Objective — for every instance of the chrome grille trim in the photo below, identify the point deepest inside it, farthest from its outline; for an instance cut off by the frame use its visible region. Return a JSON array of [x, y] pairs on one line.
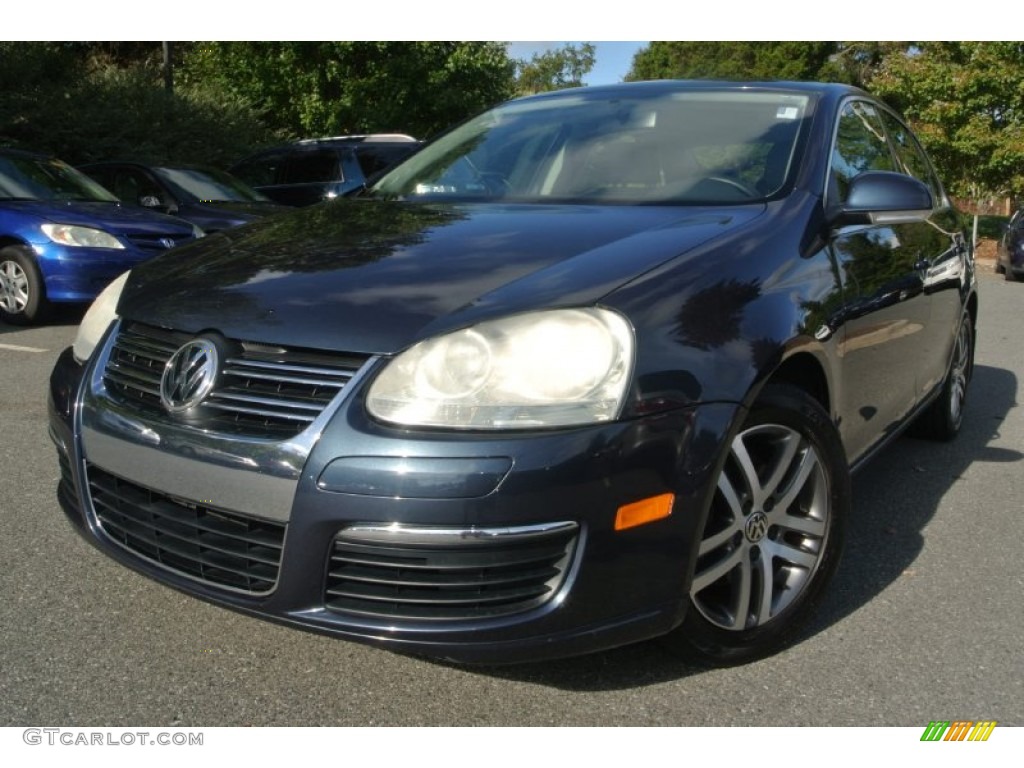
[[444, 574], [269, 392]]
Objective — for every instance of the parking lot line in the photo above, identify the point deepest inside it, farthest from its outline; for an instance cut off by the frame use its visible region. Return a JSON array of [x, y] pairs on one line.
[[17, 348]]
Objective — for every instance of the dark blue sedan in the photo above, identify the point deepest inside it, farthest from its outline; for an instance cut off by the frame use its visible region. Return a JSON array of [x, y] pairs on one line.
[[211, 199], [63, 237], [593, 367]]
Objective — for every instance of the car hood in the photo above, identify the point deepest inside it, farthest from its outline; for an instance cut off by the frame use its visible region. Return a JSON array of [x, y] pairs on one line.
[[374, 277], [110, 217]]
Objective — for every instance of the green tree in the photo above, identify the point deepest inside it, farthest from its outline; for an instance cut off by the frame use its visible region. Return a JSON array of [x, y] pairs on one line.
[[549, 71], [81, 104], [786, 60], [966, 102], [326, 88]]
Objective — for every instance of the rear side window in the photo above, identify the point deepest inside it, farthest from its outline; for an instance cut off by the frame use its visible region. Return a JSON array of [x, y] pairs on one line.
[[261, 171], [375, 158], [308, 167], [860, 146]]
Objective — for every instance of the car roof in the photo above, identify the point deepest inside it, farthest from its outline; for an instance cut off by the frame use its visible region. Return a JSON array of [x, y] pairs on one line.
[[370, 139], [669, 86], [383, 138]]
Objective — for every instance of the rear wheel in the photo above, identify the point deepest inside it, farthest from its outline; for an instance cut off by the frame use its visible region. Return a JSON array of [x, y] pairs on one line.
[[943, 418], [774, 532], [22, 293]]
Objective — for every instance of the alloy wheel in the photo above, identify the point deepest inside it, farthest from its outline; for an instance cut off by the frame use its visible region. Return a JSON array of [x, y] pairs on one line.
[[13, 287], [766, 532], [959, 372]]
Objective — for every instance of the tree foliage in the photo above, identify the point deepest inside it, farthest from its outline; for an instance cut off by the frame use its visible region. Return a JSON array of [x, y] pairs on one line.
[[328, 88], [966, 100], [785, 60], [549, 71], [81, 104]]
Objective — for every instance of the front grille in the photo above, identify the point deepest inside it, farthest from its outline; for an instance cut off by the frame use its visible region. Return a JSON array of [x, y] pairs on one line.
[[262, 391], [158, 243], [446, 575], [221, 548]]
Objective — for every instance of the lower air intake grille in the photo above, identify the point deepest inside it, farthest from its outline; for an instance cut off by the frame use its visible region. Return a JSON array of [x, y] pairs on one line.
[[66, 486], [445, 574], [224, 549]]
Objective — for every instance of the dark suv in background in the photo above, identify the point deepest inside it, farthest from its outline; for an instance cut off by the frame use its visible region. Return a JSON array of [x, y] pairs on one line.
[[309, 171]]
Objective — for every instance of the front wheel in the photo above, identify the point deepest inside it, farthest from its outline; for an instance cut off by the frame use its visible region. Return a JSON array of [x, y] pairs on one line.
[[22, 293], [773, 534]]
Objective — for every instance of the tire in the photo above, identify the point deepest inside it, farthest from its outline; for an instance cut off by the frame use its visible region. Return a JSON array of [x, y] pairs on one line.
[[22, 292], [774, 532], [943, 418]]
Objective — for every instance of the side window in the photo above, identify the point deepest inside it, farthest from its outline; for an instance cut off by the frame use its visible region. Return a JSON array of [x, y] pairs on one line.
[[132, 185], [262, 171], [376, 158], [307, 167], [860, 146], [912, 158]]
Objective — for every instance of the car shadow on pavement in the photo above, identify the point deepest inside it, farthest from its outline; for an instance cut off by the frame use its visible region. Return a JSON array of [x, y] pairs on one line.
[[61, 314], [894, 497]]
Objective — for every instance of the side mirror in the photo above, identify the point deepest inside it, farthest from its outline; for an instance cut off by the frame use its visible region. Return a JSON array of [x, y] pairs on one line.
[[150, 201], [884, 197]]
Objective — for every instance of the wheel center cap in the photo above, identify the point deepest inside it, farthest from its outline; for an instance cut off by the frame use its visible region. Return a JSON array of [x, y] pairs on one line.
[[756, 527]]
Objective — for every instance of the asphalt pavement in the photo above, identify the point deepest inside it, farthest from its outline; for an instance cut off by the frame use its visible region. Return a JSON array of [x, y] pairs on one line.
[[922, 623]]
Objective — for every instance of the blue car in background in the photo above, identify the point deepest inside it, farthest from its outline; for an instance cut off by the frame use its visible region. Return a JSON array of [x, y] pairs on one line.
[[209, 198], [63, 237]]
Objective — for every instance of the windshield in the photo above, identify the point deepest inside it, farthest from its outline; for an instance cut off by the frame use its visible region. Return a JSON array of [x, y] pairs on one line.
[[701, 146], [46, 178], [209, 186]]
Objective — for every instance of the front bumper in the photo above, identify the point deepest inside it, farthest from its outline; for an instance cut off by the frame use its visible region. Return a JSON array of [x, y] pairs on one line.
[[79, 274], [390, 505]]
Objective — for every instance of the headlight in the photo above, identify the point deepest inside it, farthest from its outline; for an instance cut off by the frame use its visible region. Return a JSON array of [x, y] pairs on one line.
[[80, 237], [97, 319], [543, 369]]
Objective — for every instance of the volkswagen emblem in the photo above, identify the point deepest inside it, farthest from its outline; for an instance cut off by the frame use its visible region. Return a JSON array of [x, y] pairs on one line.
[[189, 375], [756, 527]]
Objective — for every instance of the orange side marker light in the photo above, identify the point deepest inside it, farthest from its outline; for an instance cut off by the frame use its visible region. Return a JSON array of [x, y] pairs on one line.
[[644, 511]]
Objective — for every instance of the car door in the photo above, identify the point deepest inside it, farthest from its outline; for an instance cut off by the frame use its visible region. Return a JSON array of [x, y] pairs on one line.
[[940, 247], [885, 310]]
